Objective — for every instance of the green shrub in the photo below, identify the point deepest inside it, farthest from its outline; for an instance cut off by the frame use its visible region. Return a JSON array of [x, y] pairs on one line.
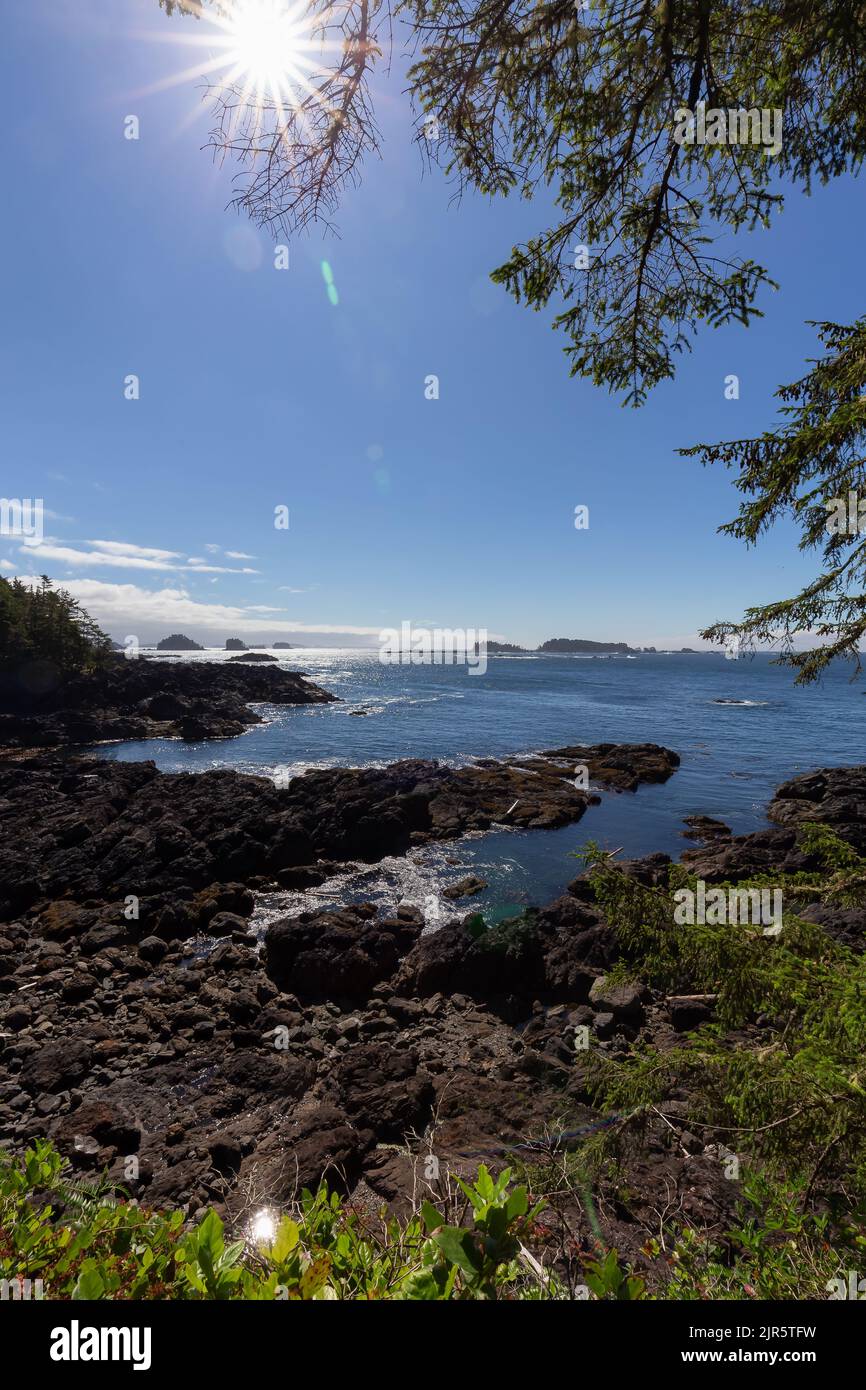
[[102, 1247]]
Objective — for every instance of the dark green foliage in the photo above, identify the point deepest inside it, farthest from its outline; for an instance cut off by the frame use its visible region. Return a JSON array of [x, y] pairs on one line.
[[47, 625], [814, 455], [582, 100], [790, 1096], [104, 1247], [776, 1250]]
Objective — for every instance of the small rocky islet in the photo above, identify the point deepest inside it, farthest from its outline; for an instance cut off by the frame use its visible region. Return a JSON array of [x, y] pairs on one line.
[[140, 1016]]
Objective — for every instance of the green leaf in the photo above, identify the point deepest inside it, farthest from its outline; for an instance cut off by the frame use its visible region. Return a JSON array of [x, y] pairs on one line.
[[458, 1246], [517, 1203], [90, 1283], [209, 1237], [285, 1240], [430, 1216]]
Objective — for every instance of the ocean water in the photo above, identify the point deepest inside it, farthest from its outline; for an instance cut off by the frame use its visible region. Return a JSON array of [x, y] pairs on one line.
[[740, 727]]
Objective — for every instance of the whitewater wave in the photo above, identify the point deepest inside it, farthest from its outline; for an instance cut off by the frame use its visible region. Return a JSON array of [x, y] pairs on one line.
[[417, 880], [750, 703]]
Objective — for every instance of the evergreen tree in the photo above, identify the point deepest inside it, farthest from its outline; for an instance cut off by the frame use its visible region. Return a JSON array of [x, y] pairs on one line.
[[43, 623], [812, 468]]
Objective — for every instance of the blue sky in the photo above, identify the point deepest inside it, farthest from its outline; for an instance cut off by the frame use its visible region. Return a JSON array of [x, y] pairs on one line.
[[120, 257]]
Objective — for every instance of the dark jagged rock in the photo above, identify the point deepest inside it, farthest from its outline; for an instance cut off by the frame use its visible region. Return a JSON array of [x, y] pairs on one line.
[[651, 870], [621, 766], [834, 796], [464, 888], [847, 925], [109, 1124], [705, 829], [744, 856], [151, 1025], [338, 955], [164, 1034], [148, 699], [109, 829], [688, 1014], [225, 1071], [550, 952], [385, 1089], [56, 1066]]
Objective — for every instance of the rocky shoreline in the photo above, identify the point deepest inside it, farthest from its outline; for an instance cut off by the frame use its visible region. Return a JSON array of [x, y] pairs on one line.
[[149, 1032], [138, 1013], [144, 698], [104, 830]]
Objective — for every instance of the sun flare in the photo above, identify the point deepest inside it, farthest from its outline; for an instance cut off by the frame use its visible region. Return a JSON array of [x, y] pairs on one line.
[[266, 41], [265, 49]]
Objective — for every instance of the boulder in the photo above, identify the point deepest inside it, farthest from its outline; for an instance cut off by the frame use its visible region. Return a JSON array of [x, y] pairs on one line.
[[56, 1066], [336, 955], [623, 1001]]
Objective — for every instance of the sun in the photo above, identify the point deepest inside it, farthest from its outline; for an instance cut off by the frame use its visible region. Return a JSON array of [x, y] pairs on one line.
[[265, 42], [265, 49]]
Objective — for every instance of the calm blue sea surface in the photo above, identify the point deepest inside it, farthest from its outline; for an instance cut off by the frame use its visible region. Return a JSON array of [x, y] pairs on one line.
[[733, 755]]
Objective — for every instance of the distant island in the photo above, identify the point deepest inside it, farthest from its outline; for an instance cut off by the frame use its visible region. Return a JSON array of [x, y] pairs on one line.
[[178, 643], [554, 646], [581, 644], [565, 644]]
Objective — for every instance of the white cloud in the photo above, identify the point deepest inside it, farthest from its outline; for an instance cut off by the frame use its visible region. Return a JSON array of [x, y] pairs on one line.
[[143, 552], [151, 614], [6, 565], [197, 568], [240, 555], [120, 555], [45, 550]]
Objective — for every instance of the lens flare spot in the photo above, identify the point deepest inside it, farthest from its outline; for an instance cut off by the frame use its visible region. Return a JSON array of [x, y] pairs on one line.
[[328, 277]]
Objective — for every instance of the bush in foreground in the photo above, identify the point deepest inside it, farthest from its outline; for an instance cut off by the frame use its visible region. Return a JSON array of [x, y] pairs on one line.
[[86, 1243]]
